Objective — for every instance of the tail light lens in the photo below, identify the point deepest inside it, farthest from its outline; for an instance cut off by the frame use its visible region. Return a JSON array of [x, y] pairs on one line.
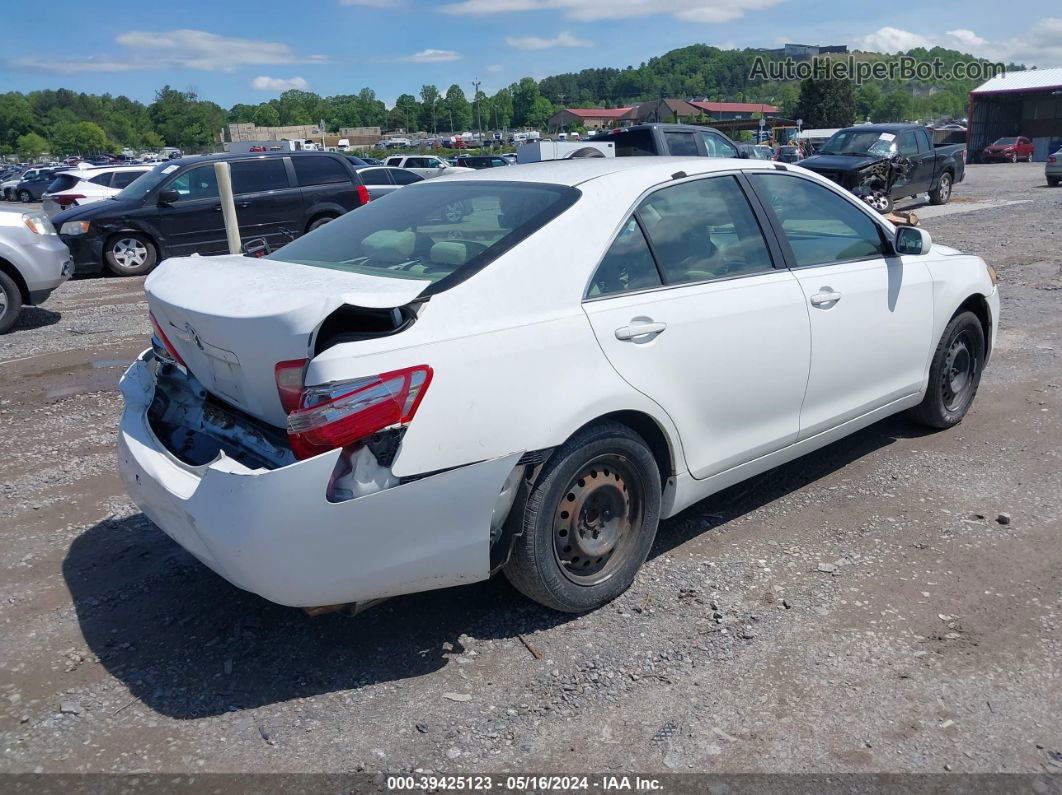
[[1051, 159], [339, 414], [65, 200], [164, 341], [289, 377], [363, 194]]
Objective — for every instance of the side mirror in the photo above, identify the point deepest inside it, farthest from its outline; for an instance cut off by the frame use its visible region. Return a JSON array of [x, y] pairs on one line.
[[169, 196], [912, 240]]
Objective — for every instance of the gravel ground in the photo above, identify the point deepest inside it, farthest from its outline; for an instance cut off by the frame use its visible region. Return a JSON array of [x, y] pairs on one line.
[[890, 603]]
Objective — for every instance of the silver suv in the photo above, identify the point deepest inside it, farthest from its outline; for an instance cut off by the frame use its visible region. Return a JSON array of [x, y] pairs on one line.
[[33, 262]]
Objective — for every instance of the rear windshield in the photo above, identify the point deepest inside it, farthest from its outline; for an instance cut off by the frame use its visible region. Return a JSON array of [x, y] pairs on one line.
[[443, 232], [146, 182], [63, 182], [631, 142]]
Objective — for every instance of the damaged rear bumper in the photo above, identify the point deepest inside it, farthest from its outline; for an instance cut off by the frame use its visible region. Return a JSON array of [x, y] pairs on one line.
[[275, 533]]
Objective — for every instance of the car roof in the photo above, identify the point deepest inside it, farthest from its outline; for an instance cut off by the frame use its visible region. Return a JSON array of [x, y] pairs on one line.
[[885, 127], [215, 156], [649, 170]]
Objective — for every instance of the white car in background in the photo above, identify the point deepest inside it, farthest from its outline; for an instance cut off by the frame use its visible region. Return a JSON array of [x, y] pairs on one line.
[[426, 166], [395, 402], [85, 186]]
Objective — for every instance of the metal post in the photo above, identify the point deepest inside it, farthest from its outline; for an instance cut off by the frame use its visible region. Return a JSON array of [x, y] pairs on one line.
[[228, 206]]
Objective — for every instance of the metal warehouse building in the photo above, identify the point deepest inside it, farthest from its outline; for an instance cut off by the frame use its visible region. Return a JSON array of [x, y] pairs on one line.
[[1019, 103]]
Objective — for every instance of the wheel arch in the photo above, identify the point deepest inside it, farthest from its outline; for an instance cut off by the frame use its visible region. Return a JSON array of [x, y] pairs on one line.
[[649, 429], [977, 304], [321, 213], [17, 278]]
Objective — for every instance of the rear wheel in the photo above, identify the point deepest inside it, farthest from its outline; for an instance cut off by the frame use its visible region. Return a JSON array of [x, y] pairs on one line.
[[954, 374], [589, 521], [942, 192], [25, 196], [10, 302], [1052, 181], [129, 254], [319, 222], [1013, 157]]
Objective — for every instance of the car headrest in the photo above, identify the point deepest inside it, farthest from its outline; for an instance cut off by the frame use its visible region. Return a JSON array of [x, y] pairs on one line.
[[389, 245], [451, 252]]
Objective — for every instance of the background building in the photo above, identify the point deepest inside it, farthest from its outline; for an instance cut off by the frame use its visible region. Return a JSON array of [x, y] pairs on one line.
[[726, 111], [590, 118], [1019, 103]]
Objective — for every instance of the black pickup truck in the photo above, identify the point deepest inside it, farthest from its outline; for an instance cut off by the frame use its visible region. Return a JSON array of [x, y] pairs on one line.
[[884, 162], [677, 140]]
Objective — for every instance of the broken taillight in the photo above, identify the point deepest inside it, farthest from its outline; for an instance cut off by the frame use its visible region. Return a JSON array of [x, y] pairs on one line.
[[289, 376], [339, 414], [164, 341]]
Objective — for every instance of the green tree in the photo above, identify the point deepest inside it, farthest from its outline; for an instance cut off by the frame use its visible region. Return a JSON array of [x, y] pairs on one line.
[[525, 93], [79, 137], [429, 98], [17, 117], [30, 146], [895, 106], [502, 107], [826, 103], [456, 109], [266, 115], [185, 121], [151, 141], [867, 100]]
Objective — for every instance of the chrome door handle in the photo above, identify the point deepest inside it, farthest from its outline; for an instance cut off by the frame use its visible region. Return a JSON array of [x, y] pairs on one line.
[[639, 330], [825, 296]]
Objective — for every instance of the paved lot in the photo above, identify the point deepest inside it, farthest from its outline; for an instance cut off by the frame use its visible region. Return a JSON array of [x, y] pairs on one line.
[[934, 644]]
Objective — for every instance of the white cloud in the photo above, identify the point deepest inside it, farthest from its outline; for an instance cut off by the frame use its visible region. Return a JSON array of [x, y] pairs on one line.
[[178, 49], [707, 11], [1041, 44], [433, 56], [562, 39], [278, 84]]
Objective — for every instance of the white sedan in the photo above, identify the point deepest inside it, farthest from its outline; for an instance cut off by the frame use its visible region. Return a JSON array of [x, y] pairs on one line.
[[396, 402]]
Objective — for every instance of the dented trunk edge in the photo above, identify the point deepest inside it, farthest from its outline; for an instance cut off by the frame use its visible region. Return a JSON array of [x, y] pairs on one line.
[[274, 532]]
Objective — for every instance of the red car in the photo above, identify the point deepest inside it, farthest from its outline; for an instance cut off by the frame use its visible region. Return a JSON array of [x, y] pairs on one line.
[[1012, 149]]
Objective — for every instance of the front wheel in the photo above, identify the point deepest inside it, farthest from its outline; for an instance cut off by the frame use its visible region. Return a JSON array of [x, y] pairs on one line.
[[10, 302], [954, 374], [1052, 181], [880, 201], [129, 254], [589, 521], [25, 196], [942, 192], [1014, 157]]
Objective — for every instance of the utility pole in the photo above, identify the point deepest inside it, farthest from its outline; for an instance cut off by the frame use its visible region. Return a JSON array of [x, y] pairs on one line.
[[479, 116]]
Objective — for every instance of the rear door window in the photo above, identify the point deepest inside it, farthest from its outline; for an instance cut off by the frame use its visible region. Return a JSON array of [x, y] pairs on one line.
[[375, 176], [258, 176], [628, 265], [717, 146], [123, 178], [102, 179], [312, 170], [403, 177], [681, 144], [702, 230]]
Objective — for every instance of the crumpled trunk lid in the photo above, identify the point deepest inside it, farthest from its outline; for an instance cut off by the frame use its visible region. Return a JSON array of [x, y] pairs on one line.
[[232, 318]]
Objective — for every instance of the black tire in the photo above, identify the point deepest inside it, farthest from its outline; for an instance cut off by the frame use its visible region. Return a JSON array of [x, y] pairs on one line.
[[612, 470], [25, 196], [319, 222], [941, 193], [1013, 157], [954, 374], [130, 254], [1052, 182], [10, 302]]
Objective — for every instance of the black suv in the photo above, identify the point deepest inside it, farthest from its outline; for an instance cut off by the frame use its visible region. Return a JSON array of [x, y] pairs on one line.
[[174, 210], [677, 140]]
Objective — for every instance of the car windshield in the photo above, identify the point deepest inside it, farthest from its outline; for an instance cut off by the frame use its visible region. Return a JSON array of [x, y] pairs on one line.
[[442, 233], [146, 182], [860, 142], [1005, 142]]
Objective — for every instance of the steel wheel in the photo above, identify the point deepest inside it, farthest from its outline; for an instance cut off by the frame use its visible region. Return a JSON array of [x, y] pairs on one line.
[[879, 201], [25, 196], [597, 521], [944, 188], [959, 371], [129, 253], [453, 212]]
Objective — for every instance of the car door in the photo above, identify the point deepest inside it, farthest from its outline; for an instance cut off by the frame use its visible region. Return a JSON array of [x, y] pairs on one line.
[[689, 308], [403, 176], [919, 177], [193, 222], [266, 202], [871, 311]]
